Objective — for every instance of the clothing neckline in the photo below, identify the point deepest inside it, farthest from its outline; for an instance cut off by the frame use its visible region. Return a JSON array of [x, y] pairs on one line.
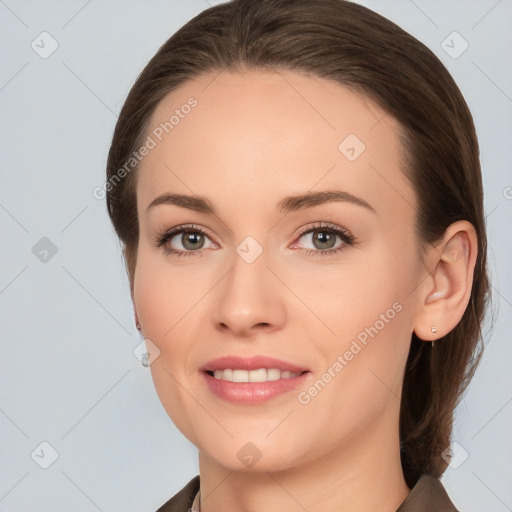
[[426, 495]]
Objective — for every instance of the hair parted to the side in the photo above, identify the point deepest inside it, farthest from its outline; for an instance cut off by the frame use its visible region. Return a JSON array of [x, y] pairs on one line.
[[363, 51]]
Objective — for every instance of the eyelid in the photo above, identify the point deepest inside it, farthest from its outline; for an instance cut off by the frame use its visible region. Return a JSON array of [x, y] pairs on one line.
[[344, 234], [327, 226], [165, 235]]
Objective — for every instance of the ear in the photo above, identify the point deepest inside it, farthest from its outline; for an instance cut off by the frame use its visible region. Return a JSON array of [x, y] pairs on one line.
[[445, 294]]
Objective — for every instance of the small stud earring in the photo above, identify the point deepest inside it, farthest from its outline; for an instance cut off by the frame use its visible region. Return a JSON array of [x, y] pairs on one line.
[[433, 329]]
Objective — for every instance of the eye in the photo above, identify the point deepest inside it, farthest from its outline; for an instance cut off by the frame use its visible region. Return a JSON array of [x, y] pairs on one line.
[[190, 242], [323, 238]]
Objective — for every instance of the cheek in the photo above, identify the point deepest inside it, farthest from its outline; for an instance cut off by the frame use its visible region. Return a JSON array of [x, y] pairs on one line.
[[367, 358], [160, 295], [352, 295], [166, 300], [151, 297], [380, 315], [370, 308]]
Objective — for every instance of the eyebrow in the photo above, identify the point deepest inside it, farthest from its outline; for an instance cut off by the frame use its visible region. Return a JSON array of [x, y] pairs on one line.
[[288, 204]]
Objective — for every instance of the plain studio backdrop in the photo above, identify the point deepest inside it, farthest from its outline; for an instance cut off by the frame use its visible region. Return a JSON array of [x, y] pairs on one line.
[[81, 425]]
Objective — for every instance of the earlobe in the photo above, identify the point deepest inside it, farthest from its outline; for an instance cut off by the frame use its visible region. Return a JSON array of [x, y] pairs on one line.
[[446, 294]]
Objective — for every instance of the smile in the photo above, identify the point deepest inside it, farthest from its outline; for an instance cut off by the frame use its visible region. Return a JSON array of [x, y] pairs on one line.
[[260, 375]]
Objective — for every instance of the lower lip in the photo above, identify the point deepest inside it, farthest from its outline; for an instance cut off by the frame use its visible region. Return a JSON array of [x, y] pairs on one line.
[[249, 393]]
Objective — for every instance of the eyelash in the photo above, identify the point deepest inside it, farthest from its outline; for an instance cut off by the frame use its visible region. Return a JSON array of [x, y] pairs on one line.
[[162, 237]]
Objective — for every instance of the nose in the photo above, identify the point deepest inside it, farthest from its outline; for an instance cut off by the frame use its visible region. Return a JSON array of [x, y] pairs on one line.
[[249, 299]]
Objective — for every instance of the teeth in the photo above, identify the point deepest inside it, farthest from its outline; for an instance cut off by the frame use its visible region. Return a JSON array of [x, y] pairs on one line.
[[261, 375]]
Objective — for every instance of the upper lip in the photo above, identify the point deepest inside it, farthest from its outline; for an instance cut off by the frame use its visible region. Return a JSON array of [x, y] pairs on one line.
[[250, 363]]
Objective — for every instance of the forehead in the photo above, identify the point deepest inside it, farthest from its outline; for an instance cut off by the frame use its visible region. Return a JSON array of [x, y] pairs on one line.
[[224, 133]]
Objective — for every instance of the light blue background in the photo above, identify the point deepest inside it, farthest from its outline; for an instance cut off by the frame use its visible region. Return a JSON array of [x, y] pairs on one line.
[[67, 372]]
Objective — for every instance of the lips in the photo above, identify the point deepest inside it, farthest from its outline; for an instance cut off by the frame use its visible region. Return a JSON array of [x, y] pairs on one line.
[[253, 380], [251, 363]]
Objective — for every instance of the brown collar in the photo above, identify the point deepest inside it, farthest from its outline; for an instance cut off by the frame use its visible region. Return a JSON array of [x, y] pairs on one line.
[[427, 495]]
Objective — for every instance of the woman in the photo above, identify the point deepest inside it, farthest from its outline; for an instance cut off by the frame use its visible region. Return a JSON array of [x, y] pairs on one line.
[[297, 189]]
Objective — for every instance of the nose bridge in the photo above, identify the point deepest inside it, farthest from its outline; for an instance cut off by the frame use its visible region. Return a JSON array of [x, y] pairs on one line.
[[248, 277], [248, 296]]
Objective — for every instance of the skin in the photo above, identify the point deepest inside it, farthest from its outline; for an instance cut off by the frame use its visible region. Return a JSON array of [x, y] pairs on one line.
[[254, 138]]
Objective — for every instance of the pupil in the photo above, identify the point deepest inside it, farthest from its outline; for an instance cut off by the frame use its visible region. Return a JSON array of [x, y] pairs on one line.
[[324, 239], [191, 238]]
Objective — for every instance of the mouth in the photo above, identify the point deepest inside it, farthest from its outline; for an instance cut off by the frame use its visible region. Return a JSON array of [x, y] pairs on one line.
[[251, 381], [259, 375], [251, 369]]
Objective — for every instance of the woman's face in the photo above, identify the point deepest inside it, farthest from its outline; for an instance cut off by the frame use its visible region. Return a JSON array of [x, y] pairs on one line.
[[266, 275]]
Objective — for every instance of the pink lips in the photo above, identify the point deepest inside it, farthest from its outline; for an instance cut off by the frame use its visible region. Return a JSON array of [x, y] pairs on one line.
[[252, 393]]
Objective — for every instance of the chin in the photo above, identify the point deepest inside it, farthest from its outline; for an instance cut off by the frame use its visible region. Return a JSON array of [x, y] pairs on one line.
[[256, 465], [246, 456]]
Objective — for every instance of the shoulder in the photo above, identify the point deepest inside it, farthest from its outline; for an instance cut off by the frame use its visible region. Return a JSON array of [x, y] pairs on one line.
[[183, 499], [427, 495]]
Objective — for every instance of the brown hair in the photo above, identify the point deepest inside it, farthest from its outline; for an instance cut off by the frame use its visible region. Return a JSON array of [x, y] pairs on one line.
[[363, 51]]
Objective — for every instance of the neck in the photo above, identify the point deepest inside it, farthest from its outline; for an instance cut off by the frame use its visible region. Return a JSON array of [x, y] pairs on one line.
[[363, 474]]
